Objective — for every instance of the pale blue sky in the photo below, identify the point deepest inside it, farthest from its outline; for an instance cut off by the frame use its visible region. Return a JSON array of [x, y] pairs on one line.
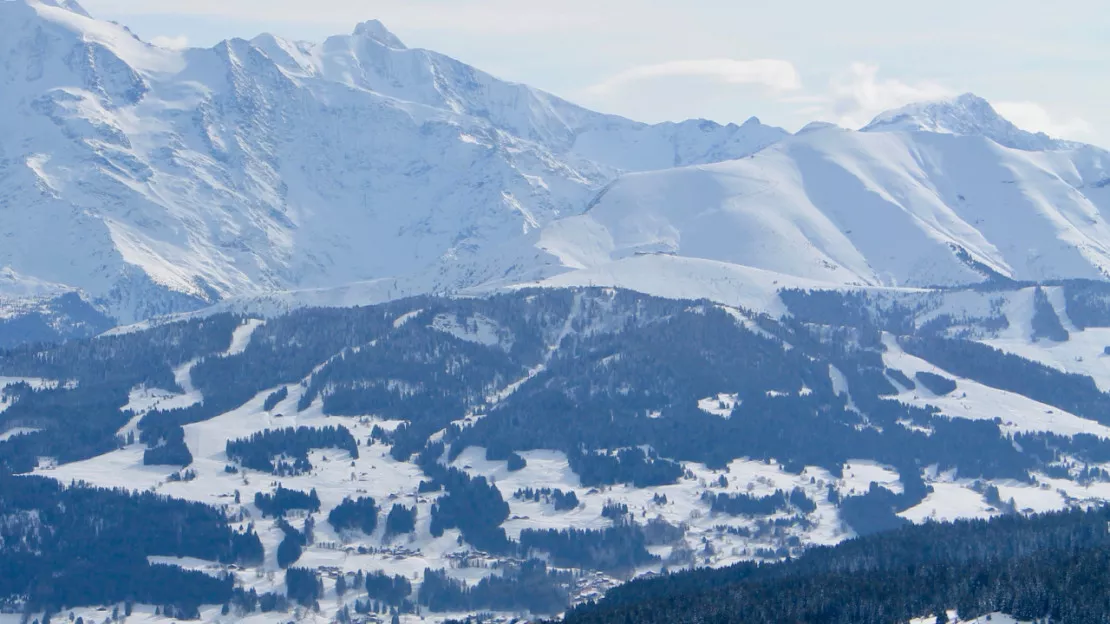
[[1044, 65]]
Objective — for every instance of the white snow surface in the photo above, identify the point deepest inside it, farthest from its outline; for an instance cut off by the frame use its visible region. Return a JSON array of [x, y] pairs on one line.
[[965, 114], [163, 180], [893, 208], [241, 337], [269, 174], [720, 405], [676, 277], [976, 401], [990, 618]]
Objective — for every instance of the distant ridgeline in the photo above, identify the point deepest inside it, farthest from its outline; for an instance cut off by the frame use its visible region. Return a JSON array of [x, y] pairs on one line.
[[626, 386], [46, 321]]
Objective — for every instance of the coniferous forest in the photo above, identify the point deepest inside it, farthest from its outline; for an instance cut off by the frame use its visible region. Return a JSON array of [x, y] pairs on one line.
[[1053, 566], [630, 390]]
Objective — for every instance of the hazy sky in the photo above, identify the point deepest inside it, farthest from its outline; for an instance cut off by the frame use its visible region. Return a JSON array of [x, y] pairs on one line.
[[1044, 65]]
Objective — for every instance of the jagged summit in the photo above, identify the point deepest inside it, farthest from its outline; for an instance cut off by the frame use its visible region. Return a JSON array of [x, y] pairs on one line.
[[193, 176], [69, 5], [965, 115], [377, 31]]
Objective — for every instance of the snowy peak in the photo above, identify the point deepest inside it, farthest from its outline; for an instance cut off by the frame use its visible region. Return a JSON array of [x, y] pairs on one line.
[[376, 31], [815, 126], [68, 5], [852, 208], [965, 115], [53, 41], [155, 180]]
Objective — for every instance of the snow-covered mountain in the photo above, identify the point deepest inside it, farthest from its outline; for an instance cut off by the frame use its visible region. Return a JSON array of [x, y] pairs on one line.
[[265, 174], [934, 198], [808, 373], [158, 181], [966, 114], [890, 206]]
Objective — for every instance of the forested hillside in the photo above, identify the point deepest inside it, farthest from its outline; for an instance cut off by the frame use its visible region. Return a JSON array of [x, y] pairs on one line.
[[524, 452], [1054, 567]]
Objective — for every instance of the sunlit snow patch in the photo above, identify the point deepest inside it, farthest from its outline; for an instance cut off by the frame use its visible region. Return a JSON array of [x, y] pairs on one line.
[[477, 329], [720, 405]]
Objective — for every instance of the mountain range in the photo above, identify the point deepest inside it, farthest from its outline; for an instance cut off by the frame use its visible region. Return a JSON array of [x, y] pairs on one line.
[[353, 332], [153, 181], [161, 181]]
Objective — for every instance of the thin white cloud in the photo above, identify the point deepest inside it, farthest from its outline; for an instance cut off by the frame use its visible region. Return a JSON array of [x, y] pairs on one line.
[[857, 95], [179, 42], [774, 74], [1034, 117]]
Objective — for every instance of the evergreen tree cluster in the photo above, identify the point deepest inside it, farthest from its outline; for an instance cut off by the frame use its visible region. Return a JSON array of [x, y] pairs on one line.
[[739, 504], [1045, 322], [260, 449], [619, 548], [874, 512], [474, 506], [275, 397], [248, 601], [529, 586], [371, 607], [86, 546], [901, 378], [400, 520], [360, 513], [283, 499], [79, 418], [937, 384], [390, 590], [560, 500], [847, 309], [501, 452], [292, 545], [516, 462], [303, 586], [630, 465], [617, 512], [1087, 303], [170, 451]]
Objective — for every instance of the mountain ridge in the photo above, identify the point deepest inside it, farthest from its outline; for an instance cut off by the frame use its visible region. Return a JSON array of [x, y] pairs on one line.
[[184, 178], [190, 176], [862, 209]]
